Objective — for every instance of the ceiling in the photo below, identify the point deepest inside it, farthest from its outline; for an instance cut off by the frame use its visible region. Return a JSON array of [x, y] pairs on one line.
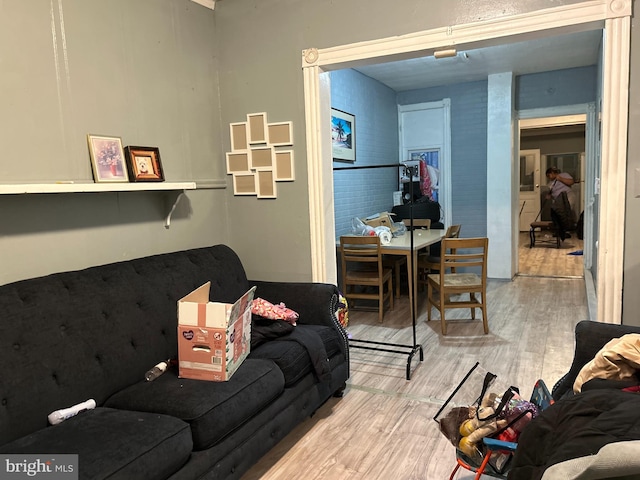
[[540, 55]]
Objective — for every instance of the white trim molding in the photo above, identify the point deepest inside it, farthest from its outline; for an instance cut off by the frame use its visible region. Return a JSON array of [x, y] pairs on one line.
[[615, 114], [612, 15]]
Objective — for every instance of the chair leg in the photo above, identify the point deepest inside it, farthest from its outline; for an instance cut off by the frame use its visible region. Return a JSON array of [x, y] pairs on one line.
[[429, 301], [381, 302], [532, 237], [397, 272], [472, 297], [485, 320], [443, 322]]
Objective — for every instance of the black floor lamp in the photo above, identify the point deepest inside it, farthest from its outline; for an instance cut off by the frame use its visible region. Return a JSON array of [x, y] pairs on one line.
[[416, 348]]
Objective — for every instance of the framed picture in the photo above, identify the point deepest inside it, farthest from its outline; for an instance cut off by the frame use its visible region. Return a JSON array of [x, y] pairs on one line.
[[257, 128], [143, 164], [107, 159], [343, 136]]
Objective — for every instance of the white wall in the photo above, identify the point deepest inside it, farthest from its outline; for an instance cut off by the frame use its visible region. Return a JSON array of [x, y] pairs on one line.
[[501, 200]]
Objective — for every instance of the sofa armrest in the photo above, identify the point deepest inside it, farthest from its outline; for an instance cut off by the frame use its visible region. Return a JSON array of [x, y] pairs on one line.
[[590, 338], [315, 302]]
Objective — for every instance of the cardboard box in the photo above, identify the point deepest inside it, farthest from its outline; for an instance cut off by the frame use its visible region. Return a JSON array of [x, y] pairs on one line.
[[213, 338], [381, 220]]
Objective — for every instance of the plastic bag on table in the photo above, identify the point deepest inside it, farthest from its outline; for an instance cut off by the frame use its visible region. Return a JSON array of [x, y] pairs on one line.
[[384, 233], [358, 227], [399, 228]]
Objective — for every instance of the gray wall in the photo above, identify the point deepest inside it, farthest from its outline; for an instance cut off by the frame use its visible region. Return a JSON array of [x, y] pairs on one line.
[[174, 74], [260, 70], [141, 70]]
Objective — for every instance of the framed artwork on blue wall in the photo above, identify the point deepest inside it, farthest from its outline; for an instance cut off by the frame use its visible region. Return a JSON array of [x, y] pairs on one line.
[[429, 171], [343, 136]]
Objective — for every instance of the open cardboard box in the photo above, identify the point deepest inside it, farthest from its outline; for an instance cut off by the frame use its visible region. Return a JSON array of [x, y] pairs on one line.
[[213, 338], [381, 220]]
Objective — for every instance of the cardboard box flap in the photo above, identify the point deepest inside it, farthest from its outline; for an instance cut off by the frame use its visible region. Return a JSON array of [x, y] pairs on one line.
[[199, 295], [381, 220], [242, 304], [196, 310]]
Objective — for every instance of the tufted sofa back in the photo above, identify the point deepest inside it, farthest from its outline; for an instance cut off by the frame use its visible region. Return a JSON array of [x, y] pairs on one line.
[[71, 336]]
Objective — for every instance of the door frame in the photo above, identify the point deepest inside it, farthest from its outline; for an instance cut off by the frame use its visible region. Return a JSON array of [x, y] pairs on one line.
[[536, 185], [558, 116], [445, 149], [613, 17]]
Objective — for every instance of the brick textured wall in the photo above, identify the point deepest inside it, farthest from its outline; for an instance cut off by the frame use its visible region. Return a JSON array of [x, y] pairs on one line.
[[362, 192], [359, 193]]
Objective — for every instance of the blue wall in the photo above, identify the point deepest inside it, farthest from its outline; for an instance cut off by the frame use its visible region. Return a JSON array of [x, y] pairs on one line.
[[572, 86], [468, 150], [360, 193]]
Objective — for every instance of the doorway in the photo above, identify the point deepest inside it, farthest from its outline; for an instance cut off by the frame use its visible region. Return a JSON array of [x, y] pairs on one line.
[[613, 120], [552, 141]]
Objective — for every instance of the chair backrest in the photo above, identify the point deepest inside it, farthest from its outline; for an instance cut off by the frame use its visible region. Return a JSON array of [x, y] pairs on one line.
[[453, 231], [418, 223], [360, 249], [464, 253]]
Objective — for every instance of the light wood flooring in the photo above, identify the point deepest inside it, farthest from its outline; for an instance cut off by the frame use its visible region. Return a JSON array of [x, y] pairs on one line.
[[549, 261], [383, 427]]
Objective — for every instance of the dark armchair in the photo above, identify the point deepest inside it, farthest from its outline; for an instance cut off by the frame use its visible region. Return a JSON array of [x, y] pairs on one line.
[[590, 338]]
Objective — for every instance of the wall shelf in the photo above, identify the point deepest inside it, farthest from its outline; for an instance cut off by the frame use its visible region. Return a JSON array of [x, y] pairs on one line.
[[38, 188], [16, 189]]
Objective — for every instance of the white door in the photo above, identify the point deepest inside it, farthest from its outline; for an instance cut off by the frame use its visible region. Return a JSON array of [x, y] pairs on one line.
[[529, 187], [425, 134]]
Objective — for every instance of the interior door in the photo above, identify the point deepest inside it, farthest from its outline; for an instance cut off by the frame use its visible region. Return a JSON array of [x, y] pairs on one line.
[[529, 187], [425, 134]]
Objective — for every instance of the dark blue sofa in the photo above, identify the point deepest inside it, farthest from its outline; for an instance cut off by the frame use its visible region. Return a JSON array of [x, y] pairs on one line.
[[71, 336]]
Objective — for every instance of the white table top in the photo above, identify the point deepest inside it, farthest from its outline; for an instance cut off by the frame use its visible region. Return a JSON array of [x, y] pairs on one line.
[[421, 239]]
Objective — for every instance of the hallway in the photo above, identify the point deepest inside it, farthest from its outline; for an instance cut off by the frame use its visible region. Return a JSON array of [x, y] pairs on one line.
[[548, 261]]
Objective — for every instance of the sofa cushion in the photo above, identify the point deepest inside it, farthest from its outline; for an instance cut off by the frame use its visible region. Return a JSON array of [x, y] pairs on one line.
[[290, 354], [114, 444], [212, 409]]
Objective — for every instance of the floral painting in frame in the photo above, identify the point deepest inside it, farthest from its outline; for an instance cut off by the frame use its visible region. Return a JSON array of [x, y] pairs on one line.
[[107, 159]]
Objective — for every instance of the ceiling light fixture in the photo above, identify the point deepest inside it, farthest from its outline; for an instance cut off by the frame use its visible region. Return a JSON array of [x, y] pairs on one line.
[[450, 52]]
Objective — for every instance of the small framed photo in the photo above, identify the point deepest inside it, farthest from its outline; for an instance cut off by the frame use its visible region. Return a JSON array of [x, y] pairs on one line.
[[343, 136], [107, 159], [144, 164]]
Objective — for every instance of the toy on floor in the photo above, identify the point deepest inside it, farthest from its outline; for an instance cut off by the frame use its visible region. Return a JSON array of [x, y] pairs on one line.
[[482, 423]]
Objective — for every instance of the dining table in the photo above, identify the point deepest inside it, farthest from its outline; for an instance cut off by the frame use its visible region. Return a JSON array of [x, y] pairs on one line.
[[401, 245]]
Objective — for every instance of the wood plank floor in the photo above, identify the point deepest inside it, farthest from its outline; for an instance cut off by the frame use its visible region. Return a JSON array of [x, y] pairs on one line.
[[383, 427], [549, 261]]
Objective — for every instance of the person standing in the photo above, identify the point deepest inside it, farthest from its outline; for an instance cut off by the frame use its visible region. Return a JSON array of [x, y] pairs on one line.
[[561, 182]]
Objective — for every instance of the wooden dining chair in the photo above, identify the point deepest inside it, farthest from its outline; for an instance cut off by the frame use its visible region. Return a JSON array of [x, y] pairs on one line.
[[397, 262], [362, 271], [470, 256], [428, 263]]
